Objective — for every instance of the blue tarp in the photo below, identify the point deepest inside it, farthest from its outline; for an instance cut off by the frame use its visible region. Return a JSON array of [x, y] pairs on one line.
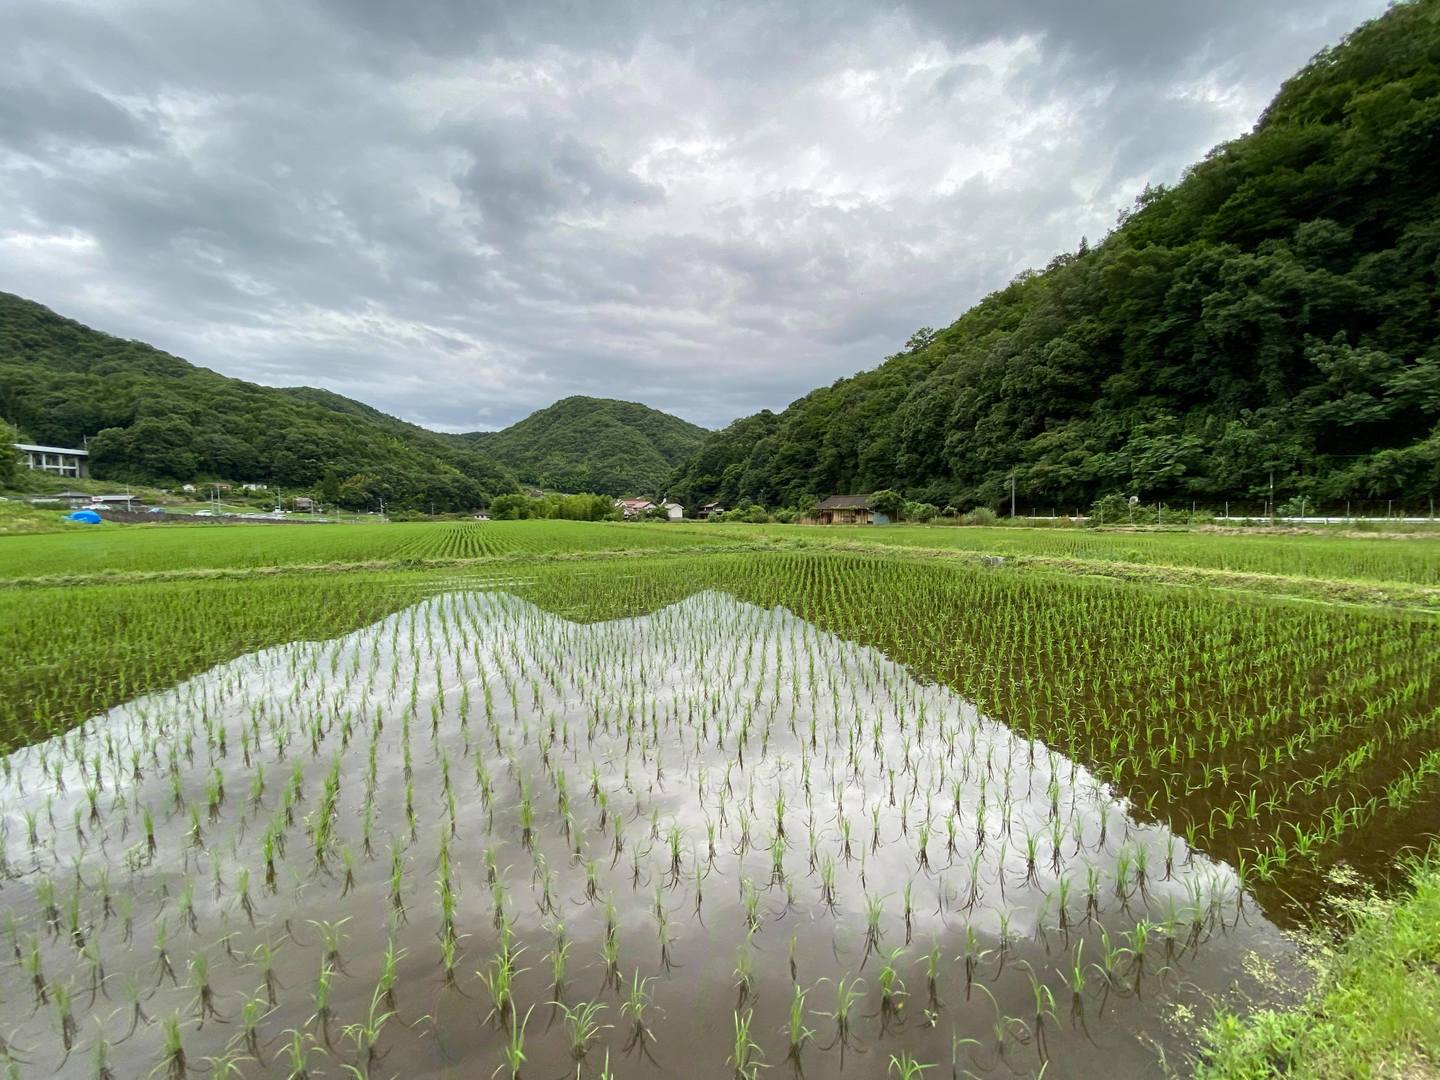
[[89, 517]]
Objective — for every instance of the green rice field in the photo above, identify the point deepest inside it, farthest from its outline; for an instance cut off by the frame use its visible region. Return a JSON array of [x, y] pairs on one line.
[[1413, 559], [108, 549], [708, 801]]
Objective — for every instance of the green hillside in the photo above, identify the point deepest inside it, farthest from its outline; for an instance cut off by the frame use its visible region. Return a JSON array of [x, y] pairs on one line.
[[1276, 312], [154, 418], [594, 444]]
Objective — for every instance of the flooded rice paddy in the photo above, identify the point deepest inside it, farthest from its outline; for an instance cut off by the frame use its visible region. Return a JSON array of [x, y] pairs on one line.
[[476, 837]]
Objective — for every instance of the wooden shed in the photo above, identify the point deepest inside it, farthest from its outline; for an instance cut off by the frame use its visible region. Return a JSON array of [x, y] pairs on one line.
[[850, 510]]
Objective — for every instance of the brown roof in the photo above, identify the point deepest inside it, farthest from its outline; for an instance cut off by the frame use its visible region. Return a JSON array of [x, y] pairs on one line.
[[846, 502]]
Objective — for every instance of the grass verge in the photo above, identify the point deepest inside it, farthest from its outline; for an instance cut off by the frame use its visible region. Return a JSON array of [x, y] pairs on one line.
[[1374, 1011]]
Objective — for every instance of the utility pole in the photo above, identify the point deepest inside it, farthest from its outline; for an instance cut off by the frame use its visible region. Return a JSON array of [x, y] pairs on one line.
[[1272, 496], [1012, 493]]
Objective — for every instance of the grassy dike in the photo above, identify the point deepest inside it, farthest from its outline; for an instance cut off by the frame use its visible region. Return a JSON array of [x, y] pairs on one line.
[[1373, 1012]]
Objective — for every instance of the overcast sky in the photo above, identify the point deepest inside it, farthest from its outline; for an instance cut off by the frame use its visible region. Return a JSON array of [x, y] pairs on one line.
[[459, 211]]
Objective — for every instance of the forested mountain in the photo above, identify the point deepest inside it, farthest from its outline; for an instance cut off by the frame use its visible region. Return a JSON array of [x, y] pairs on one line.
[[594, 444], [1276, 310], [155, 418]]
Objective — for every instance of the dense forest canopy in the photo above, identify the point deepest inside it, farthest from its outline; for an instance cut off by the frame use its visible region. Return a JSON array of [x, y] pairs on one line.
[[594, 444], [1273, 314], [154, 418]]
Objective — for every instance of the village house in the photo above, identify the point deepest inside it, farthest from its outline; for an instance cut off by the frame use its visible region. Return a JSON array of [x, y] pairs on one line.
[[850, 510], [709, 510], [59, 460], [674, 511], [633, 508]]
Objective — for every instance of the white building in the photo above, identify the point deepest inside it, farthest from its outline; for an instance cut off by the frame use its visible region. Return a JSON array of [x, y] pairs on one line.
[[117, 502], [673, 510], [60, 460]]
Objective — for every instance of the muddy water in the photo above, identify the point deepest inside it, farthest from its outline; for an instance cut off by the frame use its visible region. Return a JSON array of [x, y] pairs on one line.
[[740, 805]]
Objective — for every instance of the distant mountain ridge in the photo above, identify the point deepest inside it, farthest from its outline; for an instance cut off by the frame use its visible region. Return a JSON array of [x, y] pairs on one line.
[[1271, 320], [154, 418], [594, 444]]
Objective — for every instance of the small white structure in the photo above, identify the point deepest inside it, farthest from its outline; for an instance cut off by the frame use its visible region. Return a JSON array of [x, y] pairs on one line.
[[674, 511], [59, 460]]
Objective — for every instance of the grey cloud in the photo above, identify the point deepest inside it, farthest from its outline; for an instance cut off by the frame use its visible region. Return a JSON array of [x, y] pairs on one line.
[[459, 212], [517, 182], [51, 112]]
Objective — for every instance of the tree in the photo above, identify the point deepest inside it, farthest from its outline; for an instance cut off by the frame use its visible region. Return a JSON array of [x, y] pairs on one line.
[[363, 491], [9, 456], [920, 338], [509, 507], [887, 502]]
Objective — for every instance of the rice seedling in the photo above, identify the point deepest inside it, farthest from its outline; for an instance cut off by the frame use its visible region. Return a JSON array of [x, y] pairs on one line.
[[173, 1064], [62, 1006], [638, 1001], [204, 992], [499, 982], [582, 1025], [892, 987], [514, 1048], [253, 1013], [906, 1067], [364, 1037], [796, 1030], [320, 996], [745, 1053]]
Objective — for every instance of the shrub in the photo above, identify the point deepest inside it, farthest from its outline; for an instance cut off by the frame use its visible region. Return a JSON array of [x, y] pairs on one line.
[[1112, 509], [748, 512]]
